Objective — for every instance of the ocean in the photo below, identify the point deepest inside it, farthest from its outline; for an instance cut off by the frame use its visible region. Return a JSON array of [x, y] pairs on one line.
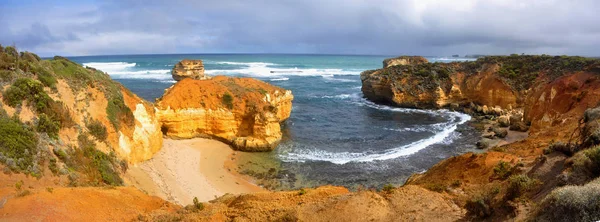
[[334, 135]]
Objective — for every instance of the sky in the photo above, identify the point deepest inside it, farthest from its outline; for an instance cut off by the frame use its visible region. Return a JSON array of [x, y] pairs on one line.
[[378, 27]]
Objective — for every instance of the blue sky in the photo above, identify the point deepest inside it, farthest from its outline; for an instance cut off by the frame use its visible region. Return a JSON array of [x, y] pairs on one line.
[[390, 27]]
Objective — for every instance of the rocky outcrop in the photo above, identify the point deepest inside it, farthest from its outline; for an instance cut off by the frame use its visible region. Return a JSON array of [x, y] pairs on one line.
[[542, 87], [188, 69], [243, 112], [404, 60]]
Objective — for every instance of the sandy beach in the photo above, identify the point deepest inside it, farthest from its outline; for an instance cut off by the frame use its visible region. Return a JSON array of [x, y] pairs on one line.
[[184, 169]]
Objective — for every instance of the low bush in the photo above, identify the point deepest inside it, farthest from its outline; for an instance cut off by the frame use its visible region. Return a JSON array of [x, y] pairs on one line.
[[117, 113], [503, 170], [48, 125], [301, 192], [571, 203], [227, 100], [18, 144], [388, 188], [100, 168], [45, 77], [97, 129], [7, 75], [520, 184], [197, 204]]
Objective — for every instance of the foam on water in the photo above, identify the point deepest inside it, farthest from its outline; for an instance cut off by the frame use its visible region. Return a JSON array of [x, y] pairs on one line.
[[124, 70], [110, 66], [444, 133], [264, 69]]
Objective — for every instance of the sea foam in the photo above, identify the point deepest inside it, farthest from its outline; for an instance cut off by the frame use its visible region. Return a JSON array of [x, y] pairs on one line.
[[124, 70], [444, 133]]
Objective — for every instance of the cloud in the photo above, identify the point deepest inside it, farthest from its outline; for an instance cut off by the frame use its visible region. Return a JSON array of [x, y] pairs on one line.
[[425, 27]]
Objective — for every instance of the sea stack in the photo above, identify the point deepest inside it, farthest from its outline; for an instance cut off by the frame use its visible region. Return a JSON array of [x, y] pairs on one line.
[[243, 112], [187, 68], [404, 60]]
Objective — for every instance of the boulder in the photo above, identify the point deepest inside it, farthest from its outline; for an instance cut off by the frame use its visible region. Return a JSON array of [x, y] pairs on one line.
[[483, 143], [500, 132], [186, 68], [518, 126], [504, 121]]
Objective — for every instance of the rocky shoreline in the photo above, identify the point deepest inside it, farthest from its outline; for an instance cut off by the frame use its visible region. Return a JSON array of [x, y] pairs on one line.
[[78, 128]]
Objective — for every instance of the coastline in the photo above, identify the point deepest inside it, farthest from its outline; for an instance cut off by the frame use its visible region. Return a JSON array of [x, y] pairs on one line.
[[184, 169]]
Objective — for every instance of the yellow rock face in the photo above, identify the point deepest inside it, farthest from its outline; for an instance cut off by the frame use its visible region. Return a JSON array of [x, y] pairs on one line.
[[145, 139], [188, 69], [244, 112]]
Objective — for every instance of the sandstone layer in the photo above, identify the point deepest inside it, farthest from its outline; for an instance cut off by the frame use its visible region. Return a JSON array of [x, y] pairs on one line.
[[246, 113], [540, 87], [403, 60], [553, 97], [188, 69]]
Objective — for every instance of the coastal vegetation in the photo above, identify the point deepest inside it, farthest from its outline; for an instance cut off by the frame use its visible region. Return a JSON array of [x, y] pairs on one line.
[[31, 85]]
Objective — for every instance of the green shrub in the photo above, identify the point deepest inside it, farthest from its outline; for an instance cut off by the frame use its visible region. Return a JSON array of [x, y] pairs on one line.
[[48, 125], [13, 96], [18, 144], [388, 188], [30, 57], [45, 77], [97, 130], [301, 192], [10, 50], [53, 166], [197, 204], [227, 100], [480, 206], [99, 167], [68, 69], [519, 184], [571, 203], [117, 113], [6, 75], [61, 154], [502, 170]]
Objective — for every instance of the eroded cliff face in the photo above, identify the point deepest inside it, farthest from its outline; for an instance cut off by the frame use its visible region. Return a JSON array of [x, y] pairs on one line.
[[543, 90], [135, 138], [244, 112], [553, 97]]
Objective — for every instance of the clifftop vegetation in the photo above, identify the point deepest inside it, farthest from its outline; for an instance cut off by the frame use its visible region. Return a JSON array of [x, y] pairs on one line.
[[34, 144]]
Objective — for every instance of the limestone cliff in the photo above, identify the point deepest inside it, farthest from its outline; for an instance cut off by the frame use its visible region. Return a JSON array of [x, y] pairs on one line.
[[188, 69], [403, 60], [541, 86], [551, 94], [244, 112], [75, 120]]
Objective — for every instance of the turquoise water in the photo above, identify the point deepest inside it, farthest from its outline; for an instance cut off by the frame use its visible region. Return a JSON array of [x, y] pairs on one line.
[[334, 136]]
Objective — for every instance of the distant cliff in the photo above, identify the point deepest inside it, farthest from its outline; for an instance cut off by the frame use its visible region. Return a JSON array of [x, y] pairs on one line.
[[541, 86]]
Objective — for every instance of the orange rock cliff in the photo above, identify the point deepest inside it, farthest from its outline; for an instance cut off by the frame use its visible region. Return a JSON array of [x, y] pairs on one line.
[[74, 125], [244, 112]]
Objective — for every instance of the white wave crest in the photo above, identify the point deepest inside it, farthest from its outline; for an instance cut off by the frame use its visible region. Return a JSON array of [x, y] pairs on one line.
[[264, 69], [444, 131], [280, 79], [124, 70], [110, 66], [342, 96]]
